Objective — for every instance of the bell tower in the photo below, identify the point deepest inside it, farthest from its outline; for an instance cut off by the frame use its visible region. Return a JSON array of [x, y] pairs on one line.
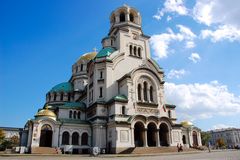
[[126, 33]]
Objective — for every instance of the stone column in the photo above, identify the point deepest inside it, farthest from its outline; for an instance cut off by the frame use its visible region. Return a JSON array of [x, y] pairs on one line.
[[158, 138], [145, 138], [132, 135]]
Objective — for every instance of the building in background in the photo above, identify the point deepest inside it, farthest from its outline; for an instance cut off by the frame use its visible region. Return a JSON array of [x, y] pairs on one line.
[[114, 99], [11, 131], [230, 136]]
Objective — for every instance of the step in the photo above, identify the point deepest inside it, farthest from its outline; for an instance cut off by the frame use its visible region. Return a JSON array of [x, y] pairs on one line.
[[45, 150]]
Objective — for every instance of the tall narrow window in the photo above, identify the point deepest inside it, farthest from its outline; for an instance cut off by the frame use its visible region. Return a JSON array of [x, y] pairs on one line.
[[101, 74], [81, 67], [79, 114], [75, 138], [90, 96], [70, 114], [130, 49], [76, 69], [131, 17], [151, 93], [65, 138], [122, 17], [100, 94], [169, 114], [139, 52], [84, 140], [55, 96], [123, 110], [145, 91], [69, 97], [75, 115], [135, 50], [139, 92], [61, 98]]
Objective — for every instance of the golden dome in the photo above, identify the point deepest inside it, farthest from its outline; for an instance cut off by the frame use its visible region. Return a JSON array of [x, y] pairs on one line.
[[186, 123], [88, 56], [45, 112]]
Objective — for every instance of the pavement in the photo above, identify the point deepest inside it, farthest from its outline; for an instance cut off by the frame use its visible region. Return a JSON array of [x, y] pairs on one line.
[[201, 155]]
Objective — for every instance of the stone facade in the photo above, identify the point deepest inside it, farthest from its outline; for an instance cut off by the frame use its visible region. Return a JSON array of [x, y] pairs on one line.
[[113, 100]]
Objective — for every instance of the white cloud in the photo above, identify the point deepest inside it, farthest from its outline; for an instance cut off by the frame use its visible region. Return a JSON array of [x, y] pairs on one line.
[[217, 12], [176, 73], [221, 126], [194, 57], [190, 44], [202, 101], [172, 6], [169, 18], [223, 15], [160, 42], [230, 33]]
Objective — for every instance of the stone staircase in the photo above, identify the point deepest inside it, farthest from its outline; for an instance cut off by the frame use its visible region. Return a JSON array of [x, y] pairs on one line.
[[45, 150], [153, 150]]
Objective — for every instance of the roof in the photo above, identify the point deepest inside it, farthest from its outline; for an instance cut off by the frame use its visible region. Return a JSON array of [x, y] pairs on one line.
[[11, 129], [73, 105], [88, 56], [105, 52], [45, 112], [170, 105], [119, 98], [73, 121], [63, 87]]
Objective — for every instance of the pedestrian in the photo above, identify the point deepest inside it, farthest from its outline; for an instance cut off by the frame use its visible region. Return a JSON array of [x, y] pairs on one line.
[[181, 148], [178, 148], [209, 147]]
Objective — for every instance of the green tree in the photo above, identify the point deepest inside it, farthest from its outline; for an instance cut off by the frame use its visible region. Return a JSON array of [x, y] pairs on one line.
[[205, 136], [220, 142], [14, 141], [2, 139]]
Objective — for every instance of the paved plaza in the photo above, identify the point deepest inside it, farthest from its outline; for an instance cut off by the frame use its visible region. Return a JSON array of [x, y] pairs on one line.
[[220, 155]]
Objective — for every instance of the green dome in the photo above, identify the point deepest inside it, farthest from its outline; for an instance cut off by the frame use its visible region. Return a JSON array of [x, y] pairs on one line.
[[62, 87], [105, 52]]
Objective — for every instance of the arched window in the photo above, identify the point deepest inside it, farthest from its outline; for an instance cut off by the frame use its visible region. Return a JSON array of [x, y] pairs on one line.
[[49, 97], [135, 50], [75, 115], [61, 97], [79, 115], [130, 49], [70, 114], [131, 17], [139, 92], [139, 52], [75, 138], [169, 114], [84, 140], [122, 17], [145, 91], [123, 110], [151, 93], [65, 138]]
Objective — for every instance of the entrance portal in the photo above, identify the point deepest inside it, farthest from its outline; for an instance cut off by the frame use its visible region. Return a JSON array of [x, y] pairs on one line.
[[151, 134], [163, 134], [138, 134], [195, 139], [46, 136]]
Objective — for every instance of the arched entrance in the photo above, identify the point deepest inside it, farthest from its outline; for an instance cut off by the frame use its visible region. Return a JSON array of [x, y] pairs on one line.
[[195, 139], [151, 134], [138, 134], [163, 134], [46, 136]]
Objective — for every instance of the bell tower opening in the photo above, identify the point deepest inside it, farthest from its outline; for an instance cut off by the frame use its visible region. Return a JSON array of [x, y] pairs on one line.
[[122, 17]]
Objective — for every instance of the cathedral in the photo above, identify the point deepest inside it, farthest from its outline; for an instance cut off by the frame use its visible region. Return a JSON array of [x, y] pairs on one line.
[[114, 99]]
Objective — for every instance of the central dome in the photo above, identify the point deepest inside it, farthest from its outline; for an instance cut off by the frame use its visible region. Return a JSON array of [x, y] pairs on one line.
[[88, 56]]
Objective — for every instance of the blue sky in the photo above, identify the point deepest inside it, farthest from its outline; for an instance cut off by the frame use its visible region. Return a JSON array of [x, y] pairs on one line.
[[195, 42]]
